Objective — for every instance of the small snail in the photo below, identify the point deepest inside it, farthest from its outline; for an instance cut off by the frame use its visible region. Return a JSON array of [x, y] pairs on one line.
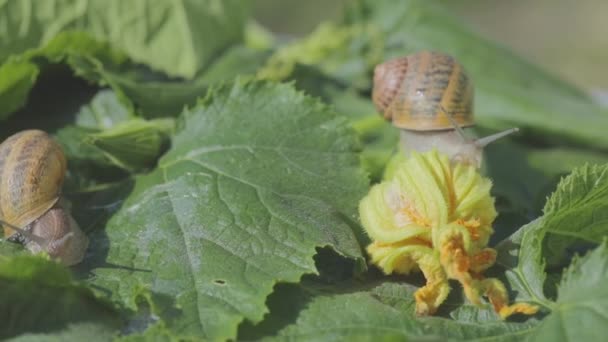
[[32, 169], [429, 96]]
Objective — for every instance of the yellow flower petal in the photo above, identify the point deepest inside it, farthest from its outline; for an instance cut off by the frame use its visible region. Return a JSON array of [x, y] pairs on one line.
[[423, 181], [401, 259], [473, 201], [483, 260], [413, 256], [436, 216], [497, 295], [386, 218]]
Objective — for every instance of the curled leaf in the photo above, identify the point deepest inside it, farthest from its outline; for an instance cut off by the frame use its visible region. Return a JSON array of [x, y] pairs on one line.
[[134, 144]]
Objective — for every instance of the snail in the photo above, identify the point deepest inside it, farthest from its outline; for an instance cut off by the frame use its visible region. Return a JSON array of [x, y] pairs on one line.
[[32, 170], [429, 96]]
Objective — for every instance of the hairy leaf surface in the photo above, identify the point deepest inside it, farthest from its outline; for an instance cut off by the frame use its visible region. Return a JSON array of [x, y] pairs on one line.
[[581, 309], [574, 210], [259, 177], [161, 34]]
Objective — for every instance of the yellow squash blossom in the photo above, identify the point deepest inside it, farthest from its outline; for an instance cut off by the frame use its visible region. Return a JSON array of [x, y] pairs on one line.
[[434, 216]]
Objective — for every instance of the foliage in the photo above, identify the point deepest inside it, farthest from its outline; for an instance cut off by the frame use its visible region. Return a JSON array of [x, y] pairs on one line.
[[217, 169]]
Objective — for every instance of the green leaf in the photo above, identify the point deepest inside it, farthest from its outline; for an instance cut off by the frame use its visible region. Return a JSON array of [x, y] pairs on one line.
[[135, 144], [576, 209], [369, 312], [161, 34], [21, 72], [39, 296], [73, 139], [378, 136], [509, 90], [108, 33], [380, 141], [521, 255], [156, 95], [16, 80], [258, 179], [581, 310], [90, 332], [103, 112], [50, 107], [88, 166]]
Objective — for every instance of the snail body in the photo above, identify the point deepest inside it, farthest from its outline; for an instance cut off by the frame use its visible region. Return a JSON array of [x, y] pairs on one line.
[[429, 96], [58, 234], [32, 170]]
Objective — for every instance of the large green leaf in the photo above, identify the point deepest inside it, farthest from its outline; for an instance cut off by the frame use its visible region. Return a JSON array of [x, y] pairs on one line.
[[379, 137], [39, 297], [576, 210], [521, 255], [581, 310], [162, 34], [384, 311], [378, 311], [259, 178], [127, 42]]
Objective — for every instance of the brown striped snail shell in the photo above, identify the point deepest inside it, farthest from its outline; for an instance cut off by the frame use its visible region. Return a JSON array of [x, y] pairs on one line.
[[32, 170], [429, 96], [414, 91]]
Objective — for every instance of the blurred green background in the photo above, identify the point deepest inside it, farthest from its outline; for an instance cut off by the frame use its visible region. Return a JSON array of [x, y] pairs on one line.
[[566, 37]]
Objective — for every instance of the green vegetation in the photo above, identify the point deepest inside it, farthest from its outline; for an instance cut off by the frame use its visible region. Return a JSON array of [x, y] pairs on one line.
[[217, 169]]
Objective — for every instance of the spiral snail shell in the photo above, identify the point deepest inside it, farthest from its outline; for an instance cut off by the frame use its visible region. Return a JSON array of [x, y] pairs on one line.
[[429, 96], [32, 170], [413, 91]]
